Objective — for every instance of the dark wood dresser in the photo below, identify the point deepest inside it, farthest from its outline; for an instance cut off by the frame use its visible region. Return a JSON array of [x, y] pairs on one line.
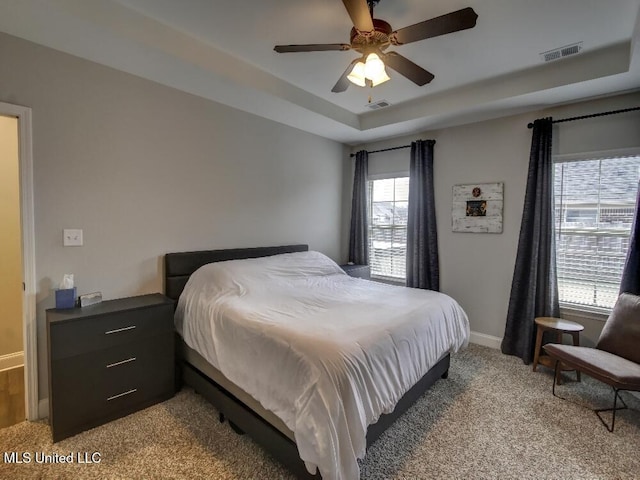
[[108, 360]]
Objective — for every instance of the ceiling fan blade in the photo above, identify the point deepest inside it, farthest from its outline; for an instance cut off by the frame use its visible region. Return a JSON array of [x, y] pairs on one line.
[[343, 82], [407, 68], [314, 47], [449, 23], [359, 12]]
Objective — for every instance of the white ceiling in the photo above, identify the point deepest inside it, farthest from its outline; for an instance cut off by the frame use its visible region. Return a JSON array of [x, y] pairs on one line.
[[223, 50]]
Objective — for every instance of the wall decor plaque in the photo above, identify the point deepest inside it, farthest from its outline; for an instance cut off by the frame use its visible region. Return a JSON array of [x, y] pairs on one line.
[[477, 208]]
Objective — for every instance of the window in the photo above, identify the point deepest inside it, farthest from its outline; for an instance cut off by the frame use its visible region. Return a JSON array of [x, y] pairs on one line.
[[594, 207], [389, 201]]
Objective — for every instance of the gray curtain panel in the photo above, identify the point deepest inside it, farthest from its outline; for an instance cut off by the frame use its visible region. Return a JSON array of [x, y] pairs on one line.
[[534, 290], [423, 270], [359, 231], [631, 274]]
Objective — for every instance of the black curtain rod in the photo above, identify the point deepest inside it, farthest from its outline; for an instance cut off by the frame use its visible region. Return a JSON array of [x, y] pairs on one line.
[[388, 149], [593, 115]]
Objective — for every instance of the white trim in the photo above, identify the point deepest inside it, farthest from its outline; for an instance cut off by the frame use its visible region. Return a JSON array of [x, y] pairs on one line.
[[385, 176], [11, 360], [597, 155], [389, 280], [28, 255], [576, 312], [485, 340], [43, 408]]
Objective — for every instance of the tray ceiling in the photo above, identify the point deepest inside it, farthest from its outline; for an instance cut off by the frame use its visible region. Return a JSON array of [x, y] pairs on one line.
[[223, 51]]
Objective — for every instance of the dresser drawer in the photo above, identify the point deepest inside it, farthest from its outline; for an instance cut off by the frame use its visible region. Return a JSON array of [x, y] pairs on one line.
[[109, 383], [108, 360], [77, 337]]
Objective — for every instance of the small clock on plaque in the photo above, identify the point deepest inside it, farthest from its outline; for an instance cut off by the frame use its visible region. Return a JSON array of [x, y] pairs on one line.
[[476, 192]]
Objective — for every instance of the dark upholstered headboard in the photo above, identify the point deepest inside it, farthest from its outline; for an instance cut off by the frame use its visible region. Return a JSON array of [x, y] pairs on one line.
[[178, 267]]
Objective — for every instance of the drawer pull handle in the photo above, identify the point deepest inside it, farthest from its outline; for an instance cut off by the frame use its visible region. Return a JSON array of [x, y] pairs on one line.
[[132, 359], [129, 392], [109, 332]]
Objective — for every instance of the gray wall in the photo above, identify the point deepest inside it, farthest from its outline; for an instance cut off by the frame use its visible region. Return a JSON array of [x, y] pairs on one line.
[[145, 169], [477, 269]]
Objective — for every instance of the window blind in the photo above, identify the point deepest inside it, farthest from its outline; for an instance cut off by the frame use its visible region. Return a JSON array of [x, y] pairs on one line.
[[388, 211], [594, 206]]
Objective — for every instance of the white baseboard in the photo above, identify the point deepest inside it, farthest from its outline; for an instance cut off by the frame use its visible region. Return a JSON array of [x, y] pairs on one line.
[[11, 360], [485, 340], [43, 408]]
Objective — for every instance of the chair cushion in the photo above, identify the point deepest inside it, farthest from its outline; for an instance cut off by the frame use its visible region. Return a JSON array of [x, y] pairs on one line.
[[621, 332], [599, 364]]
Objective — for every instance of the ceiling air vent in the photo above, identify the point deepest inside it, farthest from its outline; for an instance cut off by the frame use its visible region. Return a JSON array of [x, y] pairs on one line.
[[377, 105], [561, 52]]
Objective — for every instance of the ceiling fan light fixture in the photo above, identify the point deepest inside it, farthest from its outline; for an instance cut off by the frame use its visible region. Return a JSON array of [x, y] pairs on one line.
[[357, 75], [370, 35], [383, 77], [374, 67]]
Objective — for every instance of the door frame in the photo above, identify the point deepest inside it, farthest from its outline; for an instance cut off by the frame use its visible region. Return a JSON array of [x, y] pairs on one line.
[[29, 323]]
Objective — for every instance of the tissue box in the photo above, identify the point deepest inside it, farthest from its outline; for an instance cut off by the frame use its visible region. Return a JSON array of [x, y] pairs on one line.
[[66, 297]]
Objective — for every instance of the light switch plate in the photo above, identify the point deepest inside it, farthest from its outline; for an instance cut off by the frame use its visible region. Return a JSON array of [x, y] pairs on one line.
[[72, 237]]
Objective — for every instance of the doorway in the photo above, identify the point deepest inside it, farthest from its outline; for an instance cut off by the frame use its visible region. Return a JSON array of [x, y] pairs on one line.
[[18, 354], [12, 397]]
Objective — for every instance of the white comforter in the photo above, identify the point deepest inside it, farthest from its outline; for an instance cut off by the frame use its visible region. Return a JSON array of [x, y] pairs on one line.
[[327, 353]]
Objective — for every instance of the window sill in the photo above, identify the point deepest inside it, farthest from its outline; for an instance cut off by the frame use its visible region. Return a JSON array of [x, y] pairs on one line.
[[574, 311], [389, 280]]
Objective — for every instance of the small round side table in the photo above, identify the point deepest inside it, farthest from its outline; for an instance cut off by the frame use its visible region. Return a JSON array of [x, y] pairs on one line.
[[560, 327]]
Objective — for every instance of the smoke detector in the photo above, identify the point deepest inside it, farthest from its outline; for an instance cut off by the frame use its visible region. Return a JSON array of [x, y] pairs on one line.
[[558, 53]]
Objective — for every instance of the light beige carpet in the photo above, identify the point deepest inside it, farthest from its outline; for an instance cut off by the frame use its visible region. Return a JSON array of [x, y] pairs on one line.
[[491, 419]]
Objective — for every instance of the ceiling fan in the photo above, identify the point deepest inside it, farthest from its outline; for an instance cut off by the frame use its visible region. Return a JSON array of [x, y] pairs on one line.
[[371, 37]]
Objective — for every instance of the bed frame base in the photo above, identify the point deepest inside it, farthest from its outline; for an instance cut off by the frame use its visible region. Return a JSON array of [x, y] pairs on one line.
[[238, 414], [271, 439], [178, 267], [439, 370]]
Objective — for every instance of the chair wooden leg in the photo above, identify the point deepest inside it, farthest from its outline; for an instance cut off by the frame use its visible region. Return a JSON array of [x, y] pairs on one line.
[[536, 353]]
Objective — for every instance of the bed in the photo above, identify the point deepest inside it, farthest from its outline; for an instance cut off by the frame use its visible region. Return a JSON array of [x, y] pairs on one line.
[[309, 362]]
